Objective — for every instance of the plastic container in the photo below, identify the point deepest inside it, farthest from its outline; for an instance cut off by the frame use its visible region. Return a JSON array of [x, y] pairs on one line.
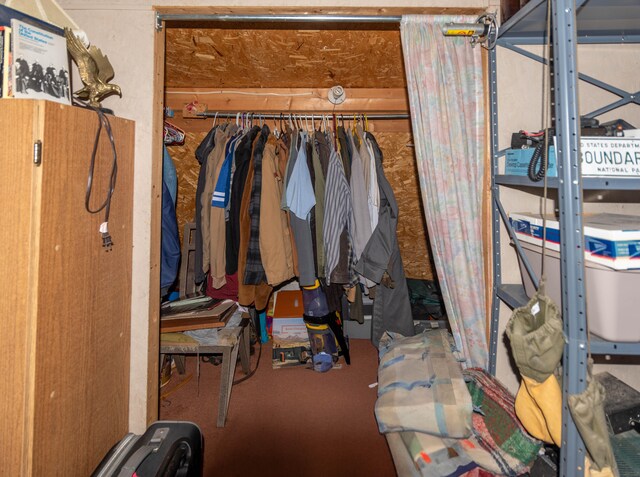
[[314, 301], [613, 296]]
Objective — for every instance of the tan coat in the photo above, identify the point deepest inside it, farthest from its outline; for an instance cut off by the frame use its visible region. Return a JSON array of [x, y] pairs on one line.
[[275, 236]]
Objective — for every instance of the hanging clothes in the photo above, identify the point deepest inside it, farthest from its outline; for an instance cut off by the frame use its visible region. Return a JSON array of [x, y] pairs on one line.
[[381, 262], [310, 145], [301, 203], [217, 225], [273, 208], [169, 239], [169, 174], [336, 220], [345, 151], [205, 198], [169, 243], [242, 164], [275, 237], [361, 220], [320, 158], [202, 152], [249, 294], [254, 271], [300, 195], [373, 190]]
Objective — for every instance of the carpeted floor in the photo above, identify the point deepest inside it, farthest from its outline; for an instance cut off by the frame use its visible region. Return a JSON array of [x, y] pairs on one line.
[[286, 422]]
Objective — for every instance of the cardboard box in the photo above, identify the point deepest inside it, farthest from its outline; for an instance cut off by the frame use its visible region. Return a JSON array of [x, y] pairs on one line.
[[517, 162], [288, 329], [290, 357], [612, 240]]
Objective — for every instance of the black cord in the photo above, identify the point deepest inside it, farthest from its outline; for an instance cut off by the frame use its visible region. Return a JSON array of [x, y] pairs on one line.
[[538, 153], [251, 373], [103, 121]]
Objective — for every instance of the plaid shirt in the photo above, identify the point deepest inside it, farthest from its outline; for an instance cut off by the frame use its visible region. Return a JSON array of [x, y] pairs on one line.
[[254, 273]]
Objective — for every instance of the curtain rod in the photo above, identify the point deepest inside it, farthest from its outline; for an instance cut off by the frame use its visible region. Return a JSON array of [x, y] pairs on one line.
[[228, 17], [377, 116]]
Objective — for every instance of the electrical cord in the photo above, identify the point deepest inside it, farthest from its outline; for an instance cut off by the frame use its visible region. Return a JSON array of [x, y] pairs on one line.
[[103, 121], [538, 153], [251, 373], [217, 359]]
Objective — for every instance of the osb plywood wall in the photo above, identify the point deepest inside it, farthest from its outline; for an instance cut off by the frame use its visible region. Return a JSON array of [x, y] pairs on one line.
[[247, 58], [287, 58], [400, 169]]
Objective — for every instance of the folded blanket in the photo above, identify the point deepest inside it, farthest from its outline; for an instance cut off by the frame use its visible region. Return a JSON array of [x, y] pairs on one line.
[[439, 457], [420, 386], [509, 449], [498, 445]]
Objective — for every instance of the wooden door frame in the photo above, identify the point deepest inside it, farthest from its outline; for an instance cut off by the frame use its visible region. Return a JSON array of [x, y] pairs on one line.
[[157, 153]]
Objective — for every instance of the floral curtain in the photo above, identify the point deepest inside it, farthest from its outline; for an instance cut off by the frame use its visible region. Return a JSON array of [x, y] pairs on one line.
[[445, 84]]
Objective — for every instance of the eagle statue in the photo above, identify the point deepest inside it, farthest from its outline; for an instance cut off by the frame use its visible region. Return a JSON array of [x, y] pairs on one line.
[[95, 71]]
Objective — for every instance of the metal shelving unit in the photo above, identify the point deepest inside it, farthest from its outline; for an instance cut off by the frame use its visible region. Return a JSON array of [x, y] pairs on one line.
[[573, 22]]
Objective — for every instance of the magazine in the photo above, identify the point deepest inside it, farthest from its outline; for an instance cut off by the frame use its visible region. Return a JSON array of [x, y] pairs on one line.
[[6, 62], [2, 36], [40, 63]]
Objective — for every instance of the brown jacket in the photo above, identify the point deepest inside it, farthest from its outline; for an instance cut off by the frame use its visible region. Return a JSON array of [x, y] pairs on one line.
[[249, 294], [275, 237]]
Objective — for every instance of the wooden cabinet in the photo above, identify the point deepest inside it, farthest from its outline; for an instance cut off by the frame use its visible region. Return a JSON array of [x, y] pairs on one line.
[[65, 301]]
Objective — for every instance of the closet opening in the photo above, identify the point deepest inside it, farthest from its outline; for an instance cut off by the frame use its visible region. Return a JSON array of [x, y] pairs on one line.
[[261, 72]]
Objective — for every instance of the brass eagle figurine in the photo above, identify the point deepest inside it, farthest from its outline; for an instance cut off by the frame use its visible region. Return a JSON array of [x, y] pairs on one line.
[[95, 71]]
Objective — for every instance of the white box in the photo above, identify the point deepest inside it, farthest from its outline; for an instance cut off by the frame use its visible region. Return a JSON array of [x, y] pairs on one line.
[[613, 297], [612, 240]]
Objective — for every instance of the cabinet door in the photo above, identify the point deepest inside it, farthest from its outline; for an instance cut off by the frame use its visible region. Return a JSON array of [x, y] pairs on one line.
[[17, 178], [84, 295]]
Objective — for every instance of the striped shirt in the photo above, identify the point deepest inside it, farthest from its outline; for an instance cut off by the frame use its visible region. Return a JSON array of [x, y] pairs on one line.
[[337, 212]]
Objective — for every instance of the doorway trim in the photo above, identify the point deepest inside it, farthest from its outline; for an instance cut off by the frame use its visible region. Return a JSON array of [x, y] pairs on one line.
[[326, 15]]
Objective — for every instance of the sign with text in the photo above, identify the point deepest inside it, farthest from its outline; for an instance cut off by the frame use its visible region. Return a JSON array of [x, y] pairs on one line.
[[610, 156]]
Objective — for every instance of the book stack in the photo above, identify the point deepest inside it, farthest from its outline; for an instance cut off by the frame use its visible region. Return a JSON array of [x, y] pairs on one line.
[[34, 58], [195, 314]]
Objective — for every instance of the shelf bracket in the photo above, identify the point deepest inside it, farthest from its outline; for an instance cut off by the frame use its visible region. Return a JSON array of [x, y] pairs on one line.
[[158, 22]]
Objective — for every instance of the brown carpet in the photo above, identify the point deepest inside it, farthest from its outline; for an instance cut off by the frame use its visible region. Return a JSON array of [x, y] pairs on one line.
[[286, 422]]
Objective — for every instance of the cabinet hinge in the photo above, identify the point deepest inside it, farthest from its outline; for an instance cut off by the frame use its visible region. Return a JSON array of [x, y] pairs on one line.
[[37, 152]]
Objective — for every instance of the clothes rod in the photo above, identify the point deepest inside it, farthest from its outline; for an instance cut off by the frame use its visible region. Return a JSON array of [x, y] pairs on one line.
[[224, 17], [283, 116]]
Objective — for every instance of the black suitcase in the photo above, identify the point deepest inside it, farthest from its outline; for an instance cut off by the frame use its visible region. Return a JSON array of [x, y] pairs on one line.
[[166, 449]]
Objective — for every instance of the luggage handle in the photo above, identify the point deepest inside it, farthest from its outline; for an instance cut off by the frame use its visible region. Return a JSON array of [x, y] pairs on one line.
[[143, 452]]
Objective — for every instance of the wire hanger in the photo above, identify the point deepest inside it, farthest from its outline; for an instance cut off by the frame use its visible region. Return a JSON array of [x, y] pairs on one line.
[[172, 134]]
